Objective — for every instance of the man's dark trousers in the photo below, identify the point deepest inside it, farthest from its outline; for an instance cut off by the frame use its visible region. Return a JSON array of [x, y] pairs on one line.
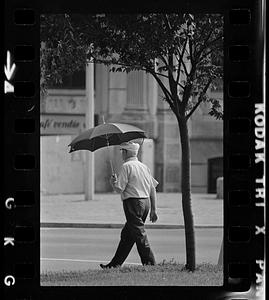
[[136, 211]]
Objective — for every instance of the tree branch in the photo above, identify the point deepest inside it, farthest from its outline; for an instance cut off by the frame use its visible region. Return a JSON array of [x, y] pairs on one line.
[[189, 85], [181, 59], [191, 53], [200, 99], [180, 55], [179, 84], [167, 22], [168, 96], [170, 74], [172, 82], [209, 45], [168, 65], [205, 55], [164, 61], [205, 41], [215, 40]]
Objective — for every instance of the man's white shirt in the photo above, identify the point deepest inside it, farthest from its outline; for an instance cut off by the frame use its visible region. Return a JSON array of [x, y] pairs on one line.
[[135, 179]]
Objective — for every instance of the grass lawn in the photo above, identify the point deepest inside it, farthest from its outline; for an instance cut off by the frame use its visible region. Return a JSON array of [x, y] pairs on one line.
[[165, 273]]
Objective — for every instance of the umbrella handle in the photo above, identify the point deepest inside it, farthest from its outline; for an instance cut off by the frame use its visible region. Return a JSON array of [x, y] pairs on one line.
[[112, 169], [111, 165]]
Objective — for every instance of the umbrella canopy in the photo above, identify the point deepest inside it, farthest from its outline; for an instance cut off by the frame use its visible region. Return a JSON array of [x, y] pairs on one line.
[[106, 134]]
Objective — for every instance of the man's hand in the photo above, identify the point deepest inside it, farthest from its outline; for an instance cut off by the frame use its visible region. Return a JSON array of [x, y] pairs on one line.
[[113, 179], [153, 216]]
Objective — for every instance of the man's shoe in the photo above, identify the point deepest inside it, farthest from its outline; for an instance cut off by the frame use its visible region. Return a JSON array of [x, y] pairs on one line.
[[108, 266]]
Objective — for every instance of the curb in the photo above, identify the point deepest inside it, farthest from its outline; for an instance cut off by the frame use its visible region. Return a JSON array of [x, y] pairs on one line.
[[116, 225]]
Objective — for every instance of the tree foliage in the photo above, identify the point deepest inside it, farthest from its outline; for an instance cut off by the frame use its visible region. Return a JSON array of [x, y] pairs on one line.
[[182, 49]]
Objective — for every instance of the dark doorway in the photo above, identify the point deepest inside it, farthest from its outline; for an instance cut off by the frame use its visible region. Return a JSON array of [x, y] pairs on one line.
[[215, 170]]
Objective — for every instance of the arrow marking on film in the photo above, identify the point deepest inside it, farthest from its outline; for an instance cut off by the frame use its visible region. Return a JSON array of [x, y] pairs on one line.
[[9, 69]]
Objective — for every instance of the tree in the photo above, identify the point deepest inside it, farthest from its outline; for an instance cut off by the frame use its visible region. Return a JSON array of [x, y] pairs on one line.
[[182, 52]]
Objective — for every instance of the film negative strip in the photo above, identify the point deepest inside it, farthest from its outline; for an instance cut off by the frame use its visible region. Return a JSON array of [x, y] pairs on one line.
[[243, 247]]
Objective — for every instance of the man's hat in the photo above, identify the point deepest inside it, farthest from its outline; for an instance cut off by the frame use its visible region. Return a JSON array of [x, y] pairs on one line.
[[130, 146]]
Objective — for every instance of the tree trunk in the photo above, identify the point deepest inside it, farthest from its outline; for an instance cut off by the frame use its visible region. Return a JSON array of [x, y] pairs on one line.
[[186, 194]]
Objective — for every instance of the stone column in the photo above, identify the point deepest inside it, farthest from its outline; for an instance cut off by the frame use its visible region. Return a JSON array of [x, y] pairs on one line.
[[101, 90], [89, 120]]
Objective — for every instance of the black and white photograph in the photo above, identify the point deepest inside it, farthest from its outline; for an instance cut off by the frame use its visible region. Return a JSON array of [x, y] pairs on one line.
[[131, 149]]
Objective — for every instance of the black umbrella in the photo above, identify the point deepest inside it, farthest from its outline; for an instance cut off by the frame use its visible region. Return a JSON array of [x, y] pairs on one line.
[[106, 134]]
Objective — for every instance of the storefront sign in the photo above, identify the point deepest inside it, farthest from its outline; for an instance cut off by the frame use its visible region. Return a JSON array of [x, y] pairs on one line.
[[53, 124], [65, 101]]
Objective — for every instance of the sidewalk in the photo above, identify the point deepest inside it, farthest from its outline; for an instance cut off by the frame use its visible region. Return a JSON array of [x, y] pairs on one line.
[[106, 211]]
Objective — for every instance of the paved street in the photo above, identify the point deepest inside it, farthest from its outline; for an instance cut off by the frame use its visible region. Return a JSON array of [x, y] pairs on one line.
[[83, 248]]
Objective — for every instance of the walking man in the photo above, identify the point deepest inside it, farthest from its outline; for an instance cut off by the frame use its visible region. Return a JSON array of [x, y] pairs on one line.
[[137, 188]]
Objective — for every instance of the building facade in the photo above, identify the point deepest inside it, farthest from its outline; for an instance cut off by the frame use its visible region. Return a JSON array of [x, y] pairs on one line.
[[133, 98]]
